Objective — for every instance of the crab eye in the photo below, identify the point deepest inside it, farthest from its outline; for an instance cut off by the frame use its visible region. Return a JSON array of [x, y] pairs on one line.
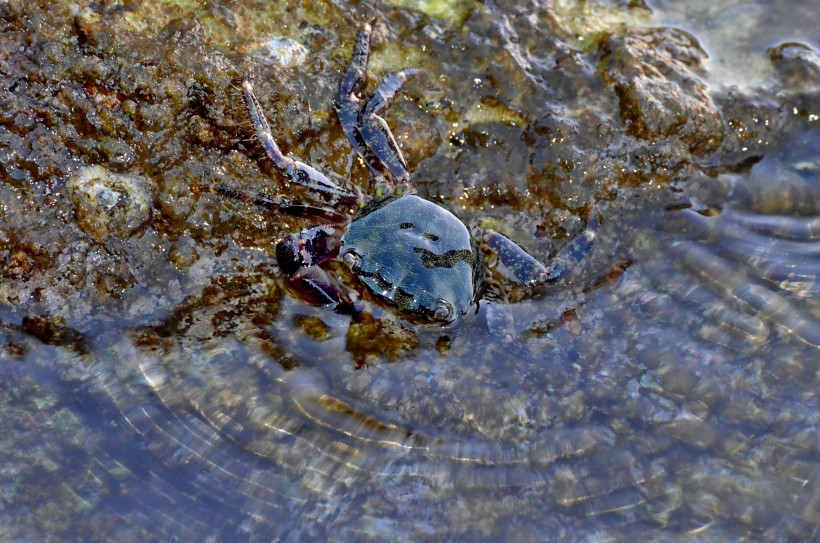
[[353, 260], [443, 311]]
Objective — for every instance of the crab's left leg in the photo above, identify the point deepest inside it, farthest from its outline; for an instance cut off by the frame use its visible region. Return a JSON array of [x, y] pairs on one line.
[[520, 266], [294, 170]]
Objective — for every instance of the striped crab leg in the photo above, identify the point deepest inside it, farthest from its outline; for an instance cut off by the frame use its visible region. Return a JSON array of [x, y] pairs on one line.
[[293, 170]]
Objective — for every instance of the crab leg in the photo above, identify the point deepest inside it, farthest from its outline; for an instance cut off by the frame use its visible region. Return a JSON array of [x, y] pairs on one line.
[[317, 287], [386, 91], [356, 73], [524, 268], [310, 247], [374, 130], [347, 102], [280, 204], [294, 170], [367, 132]]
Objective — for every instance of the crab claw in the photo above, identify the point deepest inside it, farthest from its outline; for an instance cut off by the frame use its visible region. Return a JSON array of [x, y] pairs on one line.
[[312, 246], [317, 287]]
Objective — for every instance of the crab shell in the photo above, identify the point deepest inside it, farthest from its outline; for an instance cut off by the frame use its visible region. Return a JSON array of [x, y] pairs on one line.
[[416, 255]]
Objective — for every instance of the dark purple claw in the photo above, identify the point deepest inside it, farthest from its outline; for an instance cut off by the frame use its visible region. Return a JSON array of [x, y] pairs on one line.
[[311, 247], [317, 287], [299, 257]]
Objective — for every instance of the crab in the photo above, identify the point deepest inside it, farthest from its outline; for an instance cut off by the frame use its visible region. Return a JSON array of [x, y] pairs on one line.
[[410, 252]]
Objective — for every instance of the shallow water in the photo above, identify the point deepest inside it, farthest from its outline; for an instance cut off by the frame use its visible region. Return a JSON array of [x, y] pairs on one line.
[[159, 380]]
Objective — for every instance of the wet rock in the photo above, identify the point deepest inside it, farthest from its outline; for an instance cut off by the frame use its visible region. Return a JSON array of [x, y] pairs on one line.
[[111, 279], [655, 75], [415, 132], [692, 430], [53, 331], [314, 327], [281, 51], [184, 253], [92, 29], [786, 180], [797, 64], [20, 258], [107, 204], [676, 379]]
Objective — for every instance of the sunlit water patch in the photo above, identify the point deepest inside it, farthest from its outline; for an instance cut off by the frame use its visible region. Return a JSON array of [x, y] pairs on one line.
[[737, 33]]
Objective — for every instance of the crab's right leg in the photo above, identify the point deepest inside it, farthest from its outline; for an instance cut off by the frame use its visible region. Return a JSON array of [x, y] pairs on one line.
[[277, 204], [294, 170], [522, 267], [347, 102], [299, 256], [374, 131]]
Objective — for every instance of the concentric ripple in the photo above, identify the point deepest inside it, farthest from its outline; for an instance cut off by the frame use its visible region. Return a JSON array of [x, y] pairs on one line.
[[661, 407], [678, 399]]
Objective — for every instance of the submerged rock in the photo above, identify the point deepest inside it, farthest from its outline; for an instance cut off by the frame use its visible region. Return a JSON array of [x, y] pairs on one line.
[[798, 66]]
